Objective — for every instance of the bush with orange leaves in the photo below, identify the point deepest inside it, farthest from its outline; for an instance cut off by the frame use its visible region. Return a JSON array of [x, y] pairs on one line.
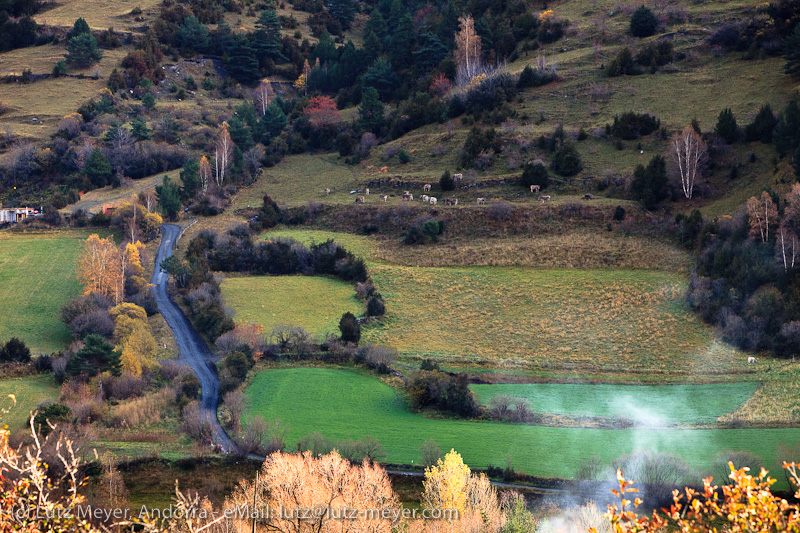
[[747, 504], [322, 485]]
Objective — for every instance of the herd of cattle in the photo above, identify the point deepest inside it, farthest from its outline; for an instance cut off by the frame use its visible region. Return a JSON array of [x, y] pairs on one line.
[[407, 196]]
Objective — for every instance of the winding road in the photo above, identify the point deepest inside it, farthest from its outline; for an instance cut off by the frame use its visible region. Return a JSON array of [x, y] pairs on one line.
[[193, 350]]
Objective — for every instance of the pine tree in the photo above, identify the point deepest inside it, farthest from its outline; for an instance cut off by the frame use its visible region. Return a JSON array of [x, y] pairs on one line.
[[139, 128], [80, 27], [791, 52], [169, 199], [650, 183], [430, 53], [643, 22], [402, 43], [274, 120], [787, 132], [82, 50], [343, 10], [381, 76], [268, 36], [726, 126], [242, 63], [193, 35], [190, 179], [98, 168], [96, 356], [370, 113]]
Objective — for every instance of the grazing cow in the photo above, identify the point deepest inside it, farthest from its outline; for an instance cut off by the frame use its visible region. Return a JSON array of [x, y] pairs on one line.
[[384, 197], [751, 359], [407, 196], [451, 201], [424, 197], [326, 190], [458, 177], [366, 191], [360, 200], [544, 198], [481, 201], [426, 187], [432, 200], [588, 197], [535, 188]]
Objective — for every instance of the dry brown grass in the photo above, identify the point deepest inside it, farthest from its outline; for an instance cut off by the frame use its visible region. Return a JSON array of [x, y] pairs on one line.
[[100, 14], [144, 411], [93, 201], [775, 402]]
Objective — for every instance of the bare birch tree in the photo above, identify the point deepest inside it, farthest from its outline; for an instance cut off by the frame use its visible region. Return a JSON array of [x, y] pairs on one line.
[[223, 151], [205, 173], [263, 95], [761, 214], [689, 152], [468, 51]]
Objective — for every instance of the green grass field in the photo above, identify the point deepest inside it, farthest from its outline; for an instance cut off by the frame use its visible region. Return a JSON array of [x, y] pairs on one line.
[[315, 303], [649, 405], [29, 392], [37, 277], [343, 404]]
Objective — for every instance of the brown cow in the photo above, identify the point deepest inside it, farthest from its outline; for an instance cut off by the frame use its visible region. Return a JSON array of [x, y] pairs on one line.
[[384, 197], [360, 200], [426, 187], [544, 199]]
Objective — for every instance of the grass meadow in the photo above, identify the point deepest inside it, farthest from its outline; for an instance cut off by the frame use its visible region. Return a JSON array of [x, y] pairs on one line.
[[316, 303], [648, 405], [100, 14], [37, 277], [343, 404], [29, 392], [92, 201]]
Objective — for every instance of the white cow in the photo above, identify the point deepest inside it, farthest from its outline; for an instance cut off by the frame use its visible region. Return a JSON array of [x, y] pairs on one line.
[[432, 200], [544, 198], [424, 197], [535, 188], [384, 197], [751, 359], [481, 201], [426, 187]]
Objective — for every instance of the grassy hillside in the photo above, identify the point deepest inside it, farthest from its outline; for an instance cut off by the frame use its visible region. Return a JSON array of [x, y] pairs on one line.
[[37, 277], [28, 392], [343, 404], [316, 304], [648, 405]]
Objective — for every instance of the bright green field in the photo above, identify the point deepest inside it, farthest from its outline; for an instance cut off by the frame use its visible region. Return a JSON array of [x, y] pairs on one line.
[[37, 277], [341, 404], [29, 393], [315, 303], [650, 405]]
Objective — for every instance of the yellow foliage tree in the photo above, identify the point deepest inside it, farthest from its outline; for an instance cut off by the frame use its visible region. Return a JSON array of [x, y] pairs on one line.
[[100, 268], [133, 266], [130, 310], [450, 485], [139, 349]]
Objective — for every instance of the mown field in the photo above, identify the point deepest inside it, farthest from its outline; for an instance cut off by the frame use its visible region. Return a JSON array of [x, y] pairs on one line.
[[37, 277], [29, 392], [646, 405], [316, 303], [343, 404]]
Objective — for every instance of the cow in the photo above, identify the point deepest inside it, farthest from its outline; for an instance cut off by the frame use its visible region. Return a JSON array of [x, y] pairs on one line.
[[407, 196], [451, 201], [366, 191], [535, 188], [481, 201], [326, 190], [544, 198], [751, 359], [458, 177], [432, 200], [588, 197], [426, 187], [384, 197], [360, 200], [424, 197]]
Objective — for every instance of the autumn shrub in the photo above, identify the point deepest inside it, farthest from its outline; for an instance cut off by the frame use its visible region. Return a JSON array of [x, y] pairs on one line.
[[127, 386], [144, 411]]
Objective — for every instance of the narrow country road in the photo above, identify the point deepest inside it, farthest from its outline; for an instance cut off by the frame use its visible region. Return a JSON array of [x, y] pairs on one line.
[[192, 348]]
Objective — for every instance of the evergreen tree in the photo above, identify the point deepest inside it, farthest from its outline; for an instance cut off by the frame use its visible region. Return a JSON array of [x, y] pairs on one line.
[[373, 47], [169, 198], [430, 53], [193, 35], [791, 52], [96, 356], [325, 50], [139, 128], [98, 168], [242, 63], [649, 183], [350, 328], [370, 113], [381, 76], [149, 101], [726, 126], [643, 22], [80, 27], [787, 132], [15, 351], [402, 43], [82, 50], [377, 25], [762, 126], [190, 178], [268, 36], [567, 161], [273, 121], [534, 174], [240, 133], [343, 10]]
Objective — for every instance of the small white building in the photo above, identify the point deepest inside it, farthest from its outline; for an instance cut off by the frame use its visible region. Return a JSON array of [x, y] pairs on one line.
[[16, 214]]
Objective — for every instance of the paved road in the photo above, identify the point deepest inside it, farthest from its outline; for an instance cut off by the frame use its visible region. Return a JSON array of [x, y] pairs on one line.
[[192, 348]]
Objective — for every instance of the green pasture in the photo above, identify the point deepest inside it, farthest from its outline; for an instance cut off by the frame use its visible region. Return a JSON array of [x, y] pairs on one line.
[[28, 393]]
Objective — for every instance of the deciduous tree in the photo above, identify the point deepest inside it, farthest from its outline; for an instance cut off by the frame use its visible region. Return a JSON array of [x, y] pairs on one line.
[[223, 152], [468, 50], [262, 96], [100, 268], [689, 152], [762, 215], [322, 112]]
